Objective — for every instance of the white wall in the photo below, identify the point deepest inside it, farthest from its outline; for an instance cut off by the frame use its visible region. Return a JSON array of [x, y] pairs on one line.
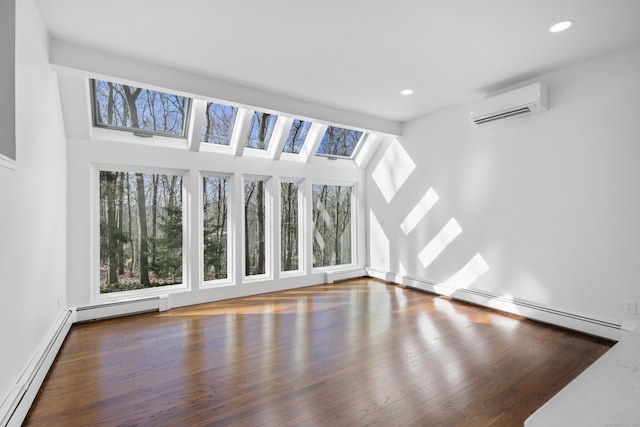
[[33, 213], [550, 202]]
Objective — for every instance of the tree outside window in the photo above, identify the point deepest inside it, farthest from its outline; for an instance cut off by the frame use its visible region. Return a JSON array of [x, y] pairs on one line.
[[255, 226], [289, 228], [215, 224], [137, 109], [331, 225], [141, 230]]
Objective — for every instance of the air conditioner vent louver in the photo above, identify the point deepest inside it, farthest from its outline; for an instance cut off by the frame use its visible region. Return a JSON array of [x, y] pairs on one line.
[[516, 103], [518, 112]]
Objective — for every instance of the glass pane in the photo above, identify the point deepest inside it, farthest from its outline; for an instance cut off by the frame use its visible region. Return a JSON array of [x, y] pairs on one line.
[[254, 227], [331, 225], [297, 136], [215, 199], [140, 230], [289, 226], [219, 123], [137, 109], [339, 142], [261, 129]]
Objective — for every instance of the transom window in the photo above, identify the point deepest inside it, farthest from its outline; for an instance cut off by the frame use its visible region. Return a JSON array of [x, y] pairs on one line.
[[339, 142], [139, 110], [297, 136], [262, 125], [147, 112], [219, 123]]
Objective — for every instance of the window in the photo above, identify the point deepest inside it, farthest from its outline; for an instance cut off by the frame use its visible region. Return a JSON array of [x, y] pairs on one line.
[[215, 226], [262, 125], [255, 222], [339, 142], [119, 106], [289, 227], [219, 123], [297, 136], [141, 230], [331, 225]]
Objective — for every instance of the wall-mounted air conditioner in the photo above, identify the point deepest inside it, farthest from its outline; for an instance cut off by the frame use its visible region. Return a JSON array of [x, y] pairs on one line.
[[516, 103]]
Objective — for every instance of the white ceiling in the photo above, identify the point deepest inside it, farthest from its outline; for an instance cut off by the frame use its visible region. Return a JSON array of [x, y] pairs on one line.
[[354, 54]]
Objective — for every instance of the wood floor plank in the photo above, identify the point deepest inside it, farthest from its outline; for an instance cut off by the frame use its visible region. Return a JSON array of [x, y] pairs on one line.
[[359, 352]]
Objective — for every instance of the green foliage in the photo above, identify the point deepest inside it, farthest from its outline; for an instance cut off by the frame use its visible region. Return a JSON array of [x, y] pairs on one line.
[[167, 258], [215, 252]]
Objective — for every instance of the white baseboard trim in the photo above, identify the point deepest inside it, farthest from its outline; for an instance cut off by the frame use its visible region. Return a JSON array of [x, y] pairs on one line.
[[16, 405], [570, 320], [352, 273]]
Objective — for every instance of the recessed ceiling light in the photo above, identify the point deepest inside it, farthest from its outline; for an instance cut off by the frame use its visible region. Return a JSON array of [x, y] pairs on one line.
[[406, 92], [560, 26]]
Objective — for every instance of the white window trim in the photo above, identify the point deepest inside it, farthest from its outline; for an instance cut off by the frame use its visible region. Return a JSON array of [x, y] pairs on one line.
[[268, 242], [95, 295], [353, 225], [301, 270]]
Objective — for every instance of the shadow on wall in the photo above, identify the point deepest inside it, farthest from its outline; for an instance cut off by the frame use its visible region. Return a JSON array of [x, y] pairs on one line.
[[390, 175]]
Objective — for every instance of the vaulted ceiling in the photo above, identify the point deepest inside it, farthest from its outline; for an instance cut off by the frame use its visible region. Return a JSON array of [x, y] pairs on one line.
[[353, 55]]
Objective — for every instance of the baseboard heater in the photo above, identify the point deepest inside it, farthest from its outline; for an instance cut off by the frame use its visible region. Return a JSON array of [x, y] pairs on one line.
[[334, 276], [16, 405], [579, 322], [122, 308]]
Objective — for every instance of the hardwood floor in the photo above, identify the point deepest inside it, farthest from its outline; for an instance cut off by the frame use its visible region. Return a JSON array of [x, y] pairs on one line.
[[354, 353]]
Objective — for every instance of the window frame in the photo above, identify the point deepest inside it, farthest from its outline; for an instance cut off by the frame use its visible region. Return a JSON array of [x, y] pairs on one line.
[[302, 256], [356, 149], [233, 127], [353, 225], [269, 135], [144, 133], [268, 228], [95, 295], [231, 230]]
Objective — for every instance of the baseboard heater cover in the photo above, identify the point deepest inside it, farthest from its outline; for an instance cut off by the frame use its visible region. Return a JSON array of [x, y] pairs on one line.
[[582, 323], [352, 273], [16, 405], [121, 308]]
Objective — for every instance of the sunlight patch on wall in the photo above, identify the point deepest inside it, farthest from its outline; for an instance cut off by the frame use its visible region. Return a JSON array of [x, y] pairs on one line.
[[464, 277], [393, 170], [419, 211], [468, 274], [402, 269], [437, 245], [379, 249]]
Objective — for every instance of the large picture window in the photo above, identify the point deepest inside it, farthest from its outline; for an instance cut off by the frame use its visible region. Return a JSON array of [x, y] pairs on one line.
[[215, 226], [331, 225], [289, 227], [141, 230], [255, 223]]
